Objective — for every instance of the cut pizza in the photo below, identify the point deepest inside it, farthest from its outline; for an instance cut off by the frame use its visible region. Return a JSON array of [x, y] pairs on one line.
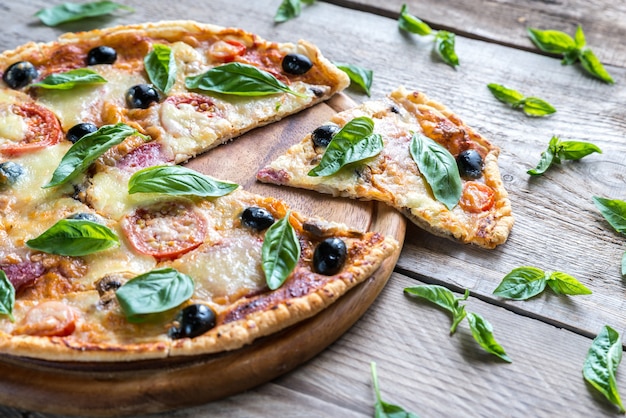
[[411, 153]]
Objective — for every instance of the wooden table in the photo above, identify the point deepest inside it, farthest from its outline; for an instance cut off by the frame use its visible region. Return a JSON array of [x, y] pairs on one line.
[[557, 226]]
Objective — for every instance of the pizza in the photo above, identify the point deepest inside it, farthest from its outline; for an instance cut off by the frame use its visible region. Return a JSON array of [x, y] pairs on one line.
[[111, 251], [411, 153]]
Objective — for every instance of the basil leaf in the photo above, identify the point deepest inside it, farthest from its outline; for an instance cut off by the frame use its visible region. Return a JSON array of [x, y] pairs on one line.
[[601, 363], [571, 57], [614, 211], [579, 38], [153, 292], [87, 150], [505, 94], [534, 106], [70, 12], [383, 409], [70, 79], [575, 150], [74, 237], [483, 334], [552, 41], [522, 283], [444, 45], [439, 169], [443, 298], [176, 180], [412, 24], [7, 296], [594, 67], [624, 264], [280, 252], [240, 80], [289, 9], [161, 67], [358, 75], [354, 142], [564, 284]]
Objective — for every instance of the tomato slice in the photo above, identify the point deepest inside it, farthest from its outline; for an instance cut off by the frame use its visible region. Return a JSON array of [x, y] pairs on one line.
[[202, 104], [43, 129], [49, 319], [477, 197], [165, 230], [226, 50]]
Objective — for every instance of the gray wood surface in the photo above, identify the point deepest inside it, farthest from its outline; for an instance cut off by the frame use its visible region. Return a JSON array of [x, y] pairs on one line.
[[557, 226]]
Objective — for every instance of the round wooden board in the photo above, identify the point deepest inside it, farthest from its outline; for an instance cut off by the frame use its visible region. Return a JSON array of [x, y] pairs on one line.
[[107, 389]]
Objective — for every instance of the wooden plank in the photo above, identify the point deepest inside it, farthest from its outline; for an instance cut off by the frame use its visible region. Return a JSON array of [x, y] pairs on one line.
[[506, 21]]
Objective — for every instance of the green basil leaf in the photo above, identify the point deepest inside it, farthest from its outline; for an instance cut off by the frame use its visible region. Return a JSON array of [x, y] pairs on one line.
[[439, 169], [70, 79], [74, 237], [412, 24], [176, 180], [483, 334], [354, 142], [70, 12], [505, 94], [594, 67], [358, 75], [552, 41], [522, 283], [534, 106], [548, 157], [289, 9], [154, 292], [614, 211], [579, 38], [624, 264], [7, 296], [443, 298], [280, 252], [240, 80], [84, 152], [575, 150], [564, 284], [571, 57], [601, 363], [161, 67], [383, 409], [444, 45]]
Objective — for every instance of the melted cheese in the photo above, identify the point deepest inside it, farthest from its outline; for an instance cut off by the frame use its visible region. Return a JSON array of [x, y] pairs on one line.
[[12, 127]]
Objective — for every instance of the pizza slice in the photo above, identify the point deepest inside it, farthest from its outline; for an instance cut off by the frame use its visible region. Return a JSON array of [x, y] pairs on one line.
[[411, 153]]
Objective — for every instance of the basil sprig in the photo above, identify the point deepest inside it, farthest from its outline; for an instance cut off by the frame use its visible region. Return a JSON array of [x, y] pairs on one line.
[[482, 331], [383, 409], [154, 292], [7, 296], [444, 41], [280, 252], [439, 169], [290, 9], [600, 366], [358, 75], [70, 79], [562, 150], [572, 49], [74, 237], [525, 282], [161, 67], [532, 106], [240, 80], [614, 211], [87, 150], [353, 143], [176, 180], [70, 12]]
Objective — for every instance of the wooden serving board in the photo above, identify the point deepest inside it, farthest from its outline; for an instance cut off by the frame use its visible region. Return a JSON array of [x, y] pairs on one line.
[[107, 389]]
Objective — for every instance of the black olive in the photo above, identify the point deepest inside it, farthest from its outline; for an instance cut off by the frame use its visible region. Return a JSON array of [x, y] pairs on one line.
[[85, 216], [192, 321], [20, 74], [330, 256], [77, 131], [296, 64], [112, 282], [323, 135], [257, 218], [470, 164], [141, 96], [9, 173], [101, 55]]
